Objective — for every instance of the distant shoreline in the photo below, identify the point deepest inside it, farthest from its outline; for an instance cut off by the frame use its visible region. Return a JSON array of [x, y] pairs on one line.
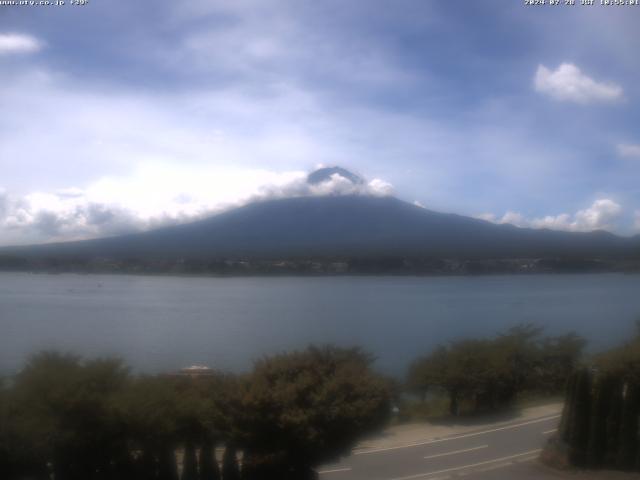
[[332, 267]]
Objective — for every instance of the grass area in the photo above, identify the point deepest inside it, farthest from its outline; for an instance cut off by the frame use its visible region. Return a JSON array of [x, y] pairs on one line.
[[436, 407], [415, 410], [530, 400]]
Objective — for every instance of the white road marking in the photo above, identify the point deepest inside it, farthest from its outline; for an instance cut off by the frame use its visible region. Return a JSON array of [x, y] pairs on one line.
[[334, 470], [448, 439], [491, 468], [527, 459], [472, 465], [456, 451], [547, 432]]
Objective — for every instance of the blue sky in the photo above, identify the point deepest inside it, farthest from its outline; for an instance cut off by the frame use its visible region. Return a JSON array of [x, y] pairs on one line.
[[120, 115]]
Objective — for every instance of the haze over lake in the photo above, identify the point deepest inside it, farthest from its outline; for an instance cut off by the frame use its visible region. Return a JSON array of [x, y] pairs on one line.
[[165, 323]]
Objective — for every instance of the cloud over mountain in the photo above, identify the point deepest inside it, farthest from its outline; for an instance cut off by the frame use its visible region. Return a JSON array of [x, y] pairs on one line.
[[156, 196], [603, 214]]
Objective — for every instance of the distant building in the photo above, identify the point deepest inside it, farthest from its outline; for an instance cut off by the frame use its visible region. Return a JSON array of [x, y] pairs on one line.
[[196, 371]]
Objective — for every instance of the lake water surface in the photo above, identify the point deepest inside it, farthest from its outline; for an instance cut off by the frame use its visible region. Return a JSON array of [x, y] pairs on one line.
[[164, 323]]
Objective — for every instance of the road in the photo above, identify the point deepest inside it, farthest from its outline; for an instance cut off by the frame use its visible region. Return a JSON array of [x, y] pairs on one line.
[[506, 451]]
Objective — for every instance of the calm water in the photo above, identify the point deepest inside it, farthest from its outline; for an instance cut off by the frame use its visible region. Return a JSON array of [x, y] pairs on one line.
[[160, 323]]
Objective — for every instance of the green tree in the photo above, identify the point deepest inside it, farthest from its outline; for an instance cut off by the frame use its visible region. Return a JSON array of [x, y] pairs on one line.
[[429, 372], [305, 408], [579, 426], [6, 461], [230, 470], [558, 358], [485, 374], [613, 419], [63, 412], [208, 464], [600, 420], [149, 413], [628, 446], [167, 465], [189, 463], [603, 394], [519, 350], [623, 361]]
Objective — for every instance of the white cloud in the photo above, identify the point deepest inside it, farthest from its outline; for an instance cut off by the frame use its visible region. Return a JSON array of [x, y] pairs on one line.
[[637, 221], [156, 195], [563, 221], [379, 188], [628, 150], [18, 43], [603, 214], [121, 132], [568, 83], [489, 217], [4, 204], [514, 218], [267, 43]]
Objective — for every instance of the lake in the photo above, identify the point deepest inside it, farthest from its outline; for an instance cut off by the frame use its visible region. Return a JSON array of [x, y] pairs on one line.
[[164, 323]]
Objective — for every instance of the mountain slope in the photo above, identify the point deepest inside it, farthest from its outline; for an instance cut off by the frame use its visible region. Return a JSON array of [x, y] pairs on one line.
[[340, 226]]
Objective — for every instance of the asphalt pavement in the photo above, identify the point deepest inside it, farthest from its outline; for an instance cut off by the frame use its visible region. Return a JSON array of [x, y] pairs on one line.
[[500, 451]]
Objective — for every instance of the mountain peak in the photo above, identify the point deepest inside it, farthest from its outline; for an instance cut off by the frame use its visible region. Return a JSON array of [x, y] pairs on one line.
[[324, 174]]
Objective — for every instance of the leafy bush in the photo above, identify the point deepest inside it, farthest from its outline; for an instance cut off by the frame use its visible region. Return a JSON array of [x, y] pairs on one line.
[[490, 373]]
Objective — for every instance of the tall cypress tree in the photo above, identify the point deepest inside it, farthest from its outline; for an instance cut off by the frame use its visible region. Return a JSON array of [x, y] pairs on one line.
[[613, 422], [230, 470], [637, 465], [250, 467], [628, 440], [123, 467], [209, 469], [189, 463], [579, 434], [5, 464], [602, 394], [167, 465], [147, 465], [568, 410]]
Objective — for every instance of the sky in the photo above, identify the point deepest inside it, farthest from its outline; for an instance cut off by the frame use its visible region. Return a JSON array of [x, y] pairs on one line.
[[119, 116]]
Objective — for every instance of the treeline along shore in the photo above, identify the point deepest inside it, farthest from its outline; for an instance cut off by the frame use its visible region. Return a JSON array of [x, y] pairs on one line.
[[63, 417], [318, 266]]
